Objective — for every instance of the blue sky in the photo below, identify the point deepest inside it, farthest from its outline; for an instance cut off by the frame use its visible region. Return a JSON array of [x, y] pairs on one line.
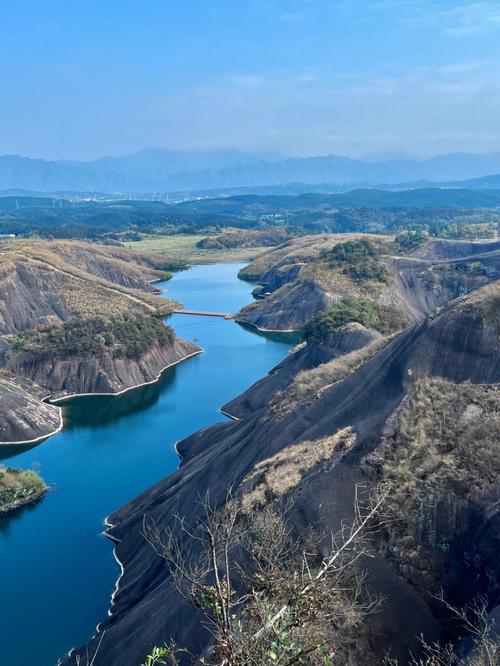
[[353, 77]]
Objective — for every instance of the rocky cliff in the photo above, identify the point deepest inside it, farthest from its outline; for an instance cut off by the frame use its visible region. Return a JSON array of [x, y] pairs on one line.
[[366, 395], [25, 418], [96, 374], [45, 286], [297, 280]]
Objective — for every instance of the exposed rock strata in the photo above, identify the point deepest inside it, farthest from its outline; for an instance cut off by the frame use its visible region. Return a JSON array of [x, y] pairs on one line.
[[43, 284], [294, 287], [348, 339], [24, 417], [97, 374]]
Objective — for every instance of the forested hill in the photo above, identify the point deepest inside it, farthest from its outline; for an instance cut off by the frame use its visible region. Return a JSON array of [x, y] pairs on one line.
[[452, 213]]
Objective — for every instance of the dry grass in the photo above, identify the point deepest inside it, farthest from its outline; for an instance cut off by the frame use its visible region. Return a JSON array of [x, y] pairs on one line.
[[450, 432], [445, 451], [83, 278], [486, 301], [305, 250], [309, 385], [274, 477]]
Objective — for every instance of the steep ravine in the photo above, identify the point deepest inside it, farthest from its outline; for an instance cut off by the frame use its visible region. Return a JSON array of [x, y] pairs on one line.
[[458, 344]]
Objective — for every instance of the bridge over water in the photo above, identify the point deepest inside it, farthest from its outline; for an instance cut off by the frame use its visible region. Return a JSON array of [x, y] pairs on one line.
[[201, 313]]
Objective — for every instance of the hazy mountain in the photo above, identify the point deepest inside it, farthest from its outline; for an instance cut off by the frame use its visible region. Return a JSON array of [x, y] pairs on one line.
[[158, 170]]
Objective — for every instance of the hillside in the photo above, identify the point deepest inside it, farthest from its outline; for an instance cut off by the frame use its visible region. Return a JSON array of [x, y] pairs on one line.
[[77, 318], [305, 277], [383, 397]]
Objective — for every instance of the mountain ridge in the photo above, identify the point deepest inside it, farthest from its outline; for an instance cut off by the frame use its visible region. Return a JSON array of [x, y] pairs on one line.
[[159, 170]]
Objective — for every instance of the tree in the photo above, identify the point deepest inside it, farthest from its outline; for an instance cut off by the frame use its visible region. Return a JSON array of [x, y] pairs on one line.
[[266, 595]]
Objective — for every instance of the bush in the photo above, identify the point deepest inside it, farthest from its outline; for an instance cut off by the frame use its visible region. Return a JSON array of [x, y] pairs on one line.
[[347, 310], [359, 259], [16, 484], [384, 318], [407, 241]]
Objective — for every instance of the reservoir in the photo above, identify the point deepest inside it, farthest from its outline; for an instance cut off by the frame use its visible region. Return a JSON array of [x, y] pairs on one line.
[[57, 569]]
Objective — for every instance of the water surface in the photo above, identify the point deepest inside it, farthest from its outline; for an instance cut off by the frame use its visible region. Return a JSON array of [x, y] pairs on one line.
[[57, 570]]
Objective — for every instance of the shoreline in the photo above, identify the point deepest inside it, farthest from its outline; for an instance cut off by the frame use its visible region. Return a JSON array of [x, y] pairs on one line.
[[109, 525], [267, 330], [55, 401], [41, 438], [229, 416], [72, 396], [23, 501]]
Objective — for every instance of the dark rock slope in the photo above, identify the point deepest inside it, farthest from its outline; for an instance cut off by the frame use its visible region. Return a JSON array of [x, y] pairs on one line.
[[25, 418], [460, 343], [307, 356]]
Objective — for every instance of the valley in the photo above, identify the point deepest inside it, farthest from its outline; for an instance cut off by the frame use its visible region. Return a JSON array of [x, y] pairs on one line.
[[390, 331]]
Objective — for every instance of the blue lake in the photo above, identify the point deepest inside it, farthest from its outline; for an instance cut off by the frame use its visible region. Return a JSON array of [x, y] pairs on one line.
[[57, 569]]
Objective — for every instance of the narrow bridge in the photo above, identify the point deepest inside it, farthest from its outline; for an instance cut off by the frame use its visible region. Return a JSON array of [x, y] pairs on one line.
[[201, 313]]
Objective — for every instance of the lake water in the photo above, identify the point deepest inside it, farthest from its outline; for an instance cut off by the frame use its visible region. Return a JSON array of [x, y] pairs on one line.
[[57, 569]]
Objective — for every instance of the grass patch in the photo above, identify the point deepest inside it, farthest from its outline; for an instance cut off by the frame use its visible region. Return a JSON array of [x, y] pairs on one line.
[[18, 486], [185, 248], [445, 449], [274, 477], [310, 384]]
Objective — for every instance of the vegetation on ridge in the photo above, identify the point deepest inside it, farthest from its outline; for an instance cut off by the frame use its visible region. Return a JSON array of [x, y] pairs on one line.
[[383, 318], [128, 335], [359, 259]]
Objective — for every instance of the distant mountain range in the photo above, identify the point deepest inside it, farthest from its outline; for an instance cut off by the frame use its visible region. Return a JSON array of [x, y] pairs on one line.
[[156, 170]]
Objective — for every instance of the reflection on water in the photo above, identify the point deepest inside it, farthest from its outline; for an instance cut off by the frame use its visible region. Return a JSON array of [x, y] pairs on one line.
[[99, 409]]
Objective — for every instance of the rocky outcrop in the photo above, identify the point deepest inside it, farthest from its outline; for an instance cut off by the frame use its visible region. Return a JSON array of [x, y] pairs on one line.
[[24, 417], [458, 344], [96, 374], [443, 249], [300, 284], [42, 285], [308, 355], [289, 308]]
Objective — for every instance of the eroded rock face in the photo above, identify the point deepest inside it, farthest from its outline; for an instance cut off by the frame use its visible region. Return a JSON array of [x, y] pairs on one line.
[[146, 607], [347, 339], [442, 457], [295, 289], [24, 417], [43, 284], [99, 374], [455, 249]]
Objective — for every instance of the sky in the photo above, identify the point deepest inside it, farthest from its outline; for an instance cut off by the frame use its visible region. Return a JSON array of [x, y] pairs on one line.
[[84, 79]]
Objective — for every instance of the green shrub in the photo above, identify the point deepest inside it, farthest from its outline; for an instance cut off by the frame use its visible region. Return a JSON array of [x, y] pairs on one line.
[[345, 311], [383, 318], [409, 240], [359, 259]]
